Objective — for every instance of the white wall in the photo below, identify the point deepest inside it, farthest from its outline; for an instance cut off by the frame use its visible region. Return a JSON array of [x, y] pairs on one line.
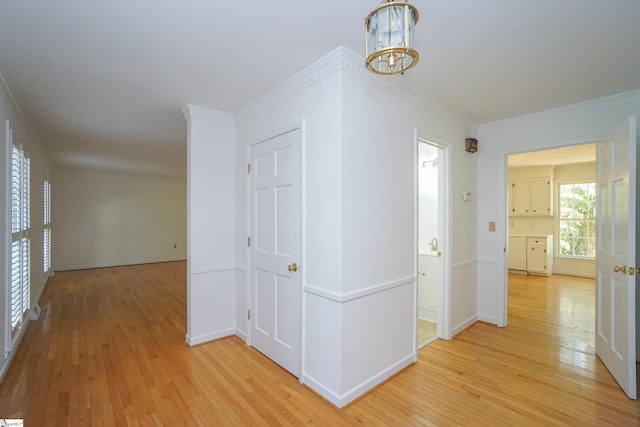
[[359, 261], [577, 124], [40, 166], [103, 219]]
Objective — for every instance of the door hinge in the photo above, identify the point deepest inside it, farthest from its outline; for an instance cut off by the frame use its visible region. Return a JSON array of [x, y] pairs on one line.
[[249, 314], [248, 168], [249, 241]]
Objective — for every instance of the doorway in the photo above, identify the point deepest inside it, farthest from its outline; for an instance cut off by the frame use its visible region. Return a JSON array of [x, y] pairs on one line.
[[431, 241], [551, 211], [538, 241]]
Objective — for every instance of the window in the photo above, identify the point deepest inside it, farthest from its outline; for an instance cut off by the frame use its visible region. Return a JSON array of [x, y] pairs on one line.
[[20, 242], [46, 238], [577, 219]]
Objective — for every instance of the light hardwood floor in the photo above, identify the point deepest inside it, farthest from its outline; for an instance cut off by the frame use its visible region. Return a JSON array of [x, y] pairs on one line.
[[109, 349]]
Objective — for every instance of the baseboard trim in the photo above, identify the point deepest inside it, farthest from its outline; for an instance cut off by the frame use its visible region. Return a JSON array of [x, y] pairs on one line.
[[128, 263], [240, 334], [488, 319], [464, 325], [521, 272], [321, 389], [8, 356], [200, 339], [342, 400], [573, 273]]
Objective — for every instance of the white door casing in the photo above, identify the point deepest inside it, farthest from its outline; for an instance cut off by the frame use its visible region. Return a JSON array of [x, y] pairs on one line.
[[275, 249], [615, 256]]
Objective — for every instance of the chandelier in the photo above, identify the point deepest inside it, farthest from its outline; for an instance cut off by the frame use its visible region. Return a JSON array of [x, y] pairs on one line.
[[390, 30]]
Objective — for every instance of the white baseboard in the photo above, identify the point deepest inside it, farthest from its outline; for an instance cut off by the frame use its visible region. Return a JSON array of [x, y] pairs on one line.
[[522, 272], [191, 341], [464, 325], [321, 389], [344, 399], [489, 319], [240, 334], [8, 356]]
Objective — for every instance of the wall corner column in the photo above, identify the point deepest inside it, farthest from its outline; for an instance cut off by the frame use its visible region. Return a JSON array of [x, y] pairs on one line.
[[210, 224]]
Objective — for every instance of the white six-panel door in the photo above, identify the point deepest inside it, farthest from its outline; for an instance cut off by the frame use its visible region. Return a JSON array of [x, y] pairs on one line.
[[275, 249], [615, 257]]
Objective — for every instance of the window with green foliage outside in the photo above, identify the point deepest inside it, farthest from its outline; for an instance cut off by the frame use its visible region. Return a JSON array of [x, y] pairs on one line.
[[577, 217]]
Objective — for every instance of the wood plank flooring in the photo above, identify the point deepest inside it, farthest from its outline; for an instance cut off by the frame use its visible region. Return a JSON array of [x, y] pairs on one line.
[[109, 349]]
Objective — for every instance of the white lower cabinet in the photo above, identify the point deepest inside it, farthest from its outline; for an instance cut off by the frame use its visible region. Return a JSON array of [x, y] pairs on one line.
[[429, 287], [540, 255], [517, 256], [531, 254]]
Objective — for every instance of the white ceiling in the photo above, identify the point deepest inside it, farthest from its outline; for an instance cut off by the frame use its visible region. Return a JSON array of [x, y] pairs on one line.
[[558, 156], [103, 82]]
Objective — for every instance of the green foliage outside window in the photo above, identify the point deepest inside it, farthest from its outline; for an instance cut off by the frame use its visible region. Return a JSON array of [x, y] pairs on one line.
[[578, 219]]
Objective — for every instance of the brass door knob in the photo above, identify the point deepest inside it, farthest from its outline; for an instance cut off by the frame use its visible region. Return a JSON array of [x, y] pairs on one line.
[[623, 269], [293, 267]]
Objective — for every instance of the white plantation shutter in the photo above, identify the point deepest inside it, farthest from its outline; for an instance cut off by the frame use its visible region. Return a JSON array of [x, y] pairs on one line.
[[16, 284], [46, 238], [20, 243], [16, 249], [16, 189], [26, 279], [47, 250]]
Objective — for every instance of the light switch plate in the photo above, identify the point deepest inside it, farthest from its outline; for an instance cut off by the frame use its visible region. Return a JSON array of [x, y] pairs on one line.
[[492, 226]]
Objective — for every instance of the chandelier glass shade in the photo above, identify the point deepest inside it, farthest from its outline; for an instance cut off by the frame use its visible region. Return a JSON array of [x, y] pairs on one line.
[[389, 38]]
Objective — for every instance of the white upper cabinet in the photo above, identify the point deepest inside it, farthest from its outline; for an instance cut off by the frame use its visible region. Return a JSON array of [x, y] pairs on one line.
[[531, 197]]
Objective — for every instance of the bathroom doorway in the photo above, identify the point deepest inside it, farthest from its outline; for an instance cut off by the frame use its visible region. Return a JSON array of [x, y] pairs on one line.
[[431, 223]]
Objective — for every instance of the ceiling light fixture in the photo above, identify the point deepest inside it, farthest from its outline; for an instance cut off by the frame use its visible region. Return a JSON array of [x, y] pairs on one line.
[[390, 30]]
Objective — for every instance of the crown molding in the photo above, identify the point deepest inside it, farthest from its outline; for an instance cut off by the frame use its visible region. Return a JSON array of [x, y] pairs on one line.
[[195, 112], [5, 84], [621, 100], [322, 68], [344, 59], [30, 133], [353, 63]]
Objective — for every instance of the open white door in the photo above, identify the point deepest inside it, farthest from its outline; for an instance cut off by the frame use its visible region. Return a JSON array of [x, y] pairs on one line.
[[615, 256], [275, 249]]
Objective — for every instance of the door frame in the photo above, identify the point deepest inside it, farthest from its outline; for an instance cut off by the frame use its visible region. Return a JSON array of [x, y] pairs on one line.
[[444, 326], [262, 137]]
